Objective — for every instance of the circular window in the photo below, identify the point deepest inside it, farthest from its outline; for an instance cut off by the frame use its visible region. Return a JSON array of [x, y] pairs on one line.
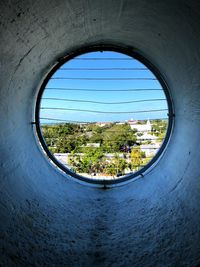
[[103, 115]]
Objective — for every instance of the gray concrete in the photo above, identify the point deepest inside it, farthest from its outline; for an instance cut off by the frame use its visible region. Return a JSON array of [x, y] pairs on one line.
[[47, 219]]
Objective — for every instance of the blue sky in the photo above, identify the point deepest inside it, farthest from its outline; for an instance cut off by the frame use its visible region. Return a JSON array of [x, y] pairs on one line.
[[113, 76]]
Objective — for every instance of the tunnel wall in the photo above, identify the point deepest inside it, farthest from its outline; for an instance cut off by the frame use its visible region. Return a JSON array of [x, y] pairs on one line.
[[50, 219]]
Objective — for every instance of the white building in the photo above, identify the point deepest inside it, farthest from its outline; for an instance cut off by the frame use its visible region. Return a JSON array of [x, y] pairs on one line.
[[147, 137], [102, 124], [150, 149], [140, 127], [93, 144]]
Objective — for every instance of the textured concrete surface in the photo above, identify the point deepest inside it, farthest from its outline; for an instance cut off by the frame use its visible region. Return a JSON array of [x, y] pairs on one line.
[[48, 219]]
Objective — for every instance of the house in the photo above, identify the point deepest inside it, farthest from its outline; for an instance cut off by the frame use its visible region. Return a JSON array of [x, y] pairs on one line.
[[102, 124], [140, 127], [150, 149], [147, 137], [93, 145]]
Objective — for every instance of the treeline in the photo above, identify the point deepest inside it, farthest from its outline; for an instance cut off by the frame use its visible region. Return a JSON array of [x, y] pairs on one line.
[[88, 146], [94, 161], [68, 137]]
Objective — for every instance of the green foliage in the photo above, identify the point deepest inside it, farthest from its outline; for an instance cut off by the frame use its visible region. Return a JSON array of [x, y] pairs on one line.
[[159, 128], [67, 137], [112, 138], [90, 161], [137, 158], [116, 166], [96, 138], [117, 136], [64, 138], [110, 169]]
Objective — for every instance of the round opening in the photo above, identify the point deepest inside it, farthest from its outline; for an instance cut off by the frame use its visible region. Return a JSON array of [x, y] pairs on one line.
[[103, 114]]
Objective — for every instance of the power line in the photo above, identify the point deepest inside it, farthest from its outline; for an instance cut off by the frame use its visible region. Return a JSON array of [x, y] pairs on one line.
[[106, 69], [88, 122], [99, 102], [104, 112], [103, 90], [105, 58], [103, 79], [67, 121]]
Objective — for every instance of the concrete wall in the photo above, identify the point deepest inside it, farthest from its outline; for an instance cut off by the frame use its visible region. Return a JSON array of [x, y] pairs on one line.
[[48, 219]]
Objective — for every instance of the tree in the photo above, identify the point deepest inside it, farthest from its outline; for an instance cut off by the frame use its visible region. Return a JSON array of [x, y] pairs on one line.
[[63, 138], [118, 136], [116, 166], [110, 169], [159, 127], [91, 161], [136, 158], [120, 164]]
